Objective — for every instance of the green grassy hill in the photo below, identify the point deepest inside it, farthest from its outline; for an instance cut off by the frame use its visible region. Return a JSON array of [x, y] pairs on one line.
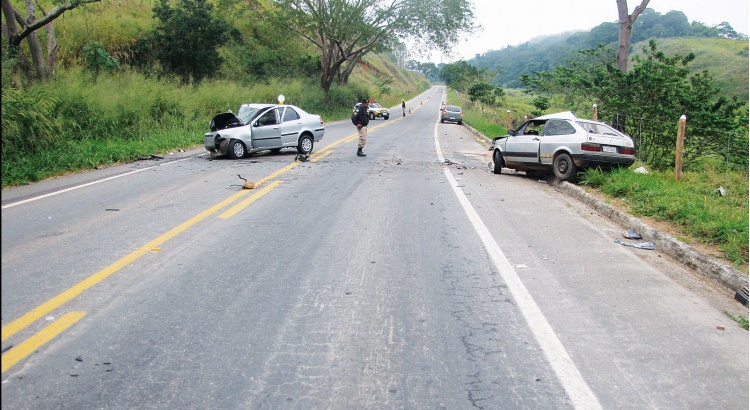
[[726, 60]]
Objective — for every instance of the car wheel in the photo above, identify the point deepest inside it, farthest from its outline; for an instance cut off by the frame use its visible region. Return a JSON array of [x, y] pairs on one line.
[[564, 167], [460, 123], [372, 116], [385, 117], [497, 158], [305, 145], [236, 149], [442, 121]]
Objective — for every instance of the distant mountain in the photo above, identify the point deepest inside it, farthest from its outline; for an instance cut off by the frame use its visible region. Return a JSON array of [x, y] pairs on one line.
[[719, 49]]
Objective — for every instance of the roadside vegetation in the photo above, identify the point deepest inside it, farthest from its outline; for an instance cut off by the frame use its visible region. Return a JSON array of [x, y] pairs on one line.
[[695, 206]]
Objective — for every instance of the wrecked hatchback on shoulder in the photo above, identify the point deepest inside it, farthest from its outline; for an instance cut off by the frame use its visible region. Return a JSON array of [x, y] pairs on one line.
[[258, 127], [563, 144]]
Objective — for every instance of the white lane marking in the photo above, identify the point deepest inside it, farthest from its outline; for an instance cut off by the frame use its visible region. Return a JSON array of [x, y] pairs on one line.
[[570, 377], [26, 201]]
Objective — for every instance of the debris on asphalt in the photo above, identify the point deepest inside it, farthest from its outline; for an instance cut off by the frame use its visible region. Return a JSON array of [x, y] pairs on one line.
[[642, 245], [6, 348], [632, 235], [79, 358], [302, 157], [247, 184]]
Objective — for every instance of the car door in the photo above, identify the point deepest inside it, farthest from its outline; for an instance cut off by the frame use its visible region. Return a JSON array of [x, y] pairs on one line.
[[557, 133], [291, 124], [266, 131], [523, 148]]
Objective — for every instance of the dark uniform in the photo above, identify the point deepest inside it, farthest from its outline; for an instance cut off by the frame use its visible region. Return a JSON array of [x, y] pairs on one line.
[[363, 118]]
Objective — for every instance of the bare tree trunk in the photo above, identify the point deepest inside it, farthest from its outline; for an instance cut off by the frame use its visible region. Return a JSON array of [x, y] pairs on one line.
[[34, 47], [52, 46], [626, 26]]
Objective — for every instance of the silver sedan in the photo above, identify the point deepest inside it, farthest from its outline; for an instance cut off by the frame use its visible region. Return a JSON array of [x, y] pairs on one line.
[[563, 144], [258, 127]]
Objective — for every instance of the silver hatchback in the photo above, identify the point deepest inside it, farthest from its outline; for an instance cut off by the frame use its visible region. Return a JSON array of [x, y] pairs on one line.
[[452, 113], [563, 144], [258, 127]]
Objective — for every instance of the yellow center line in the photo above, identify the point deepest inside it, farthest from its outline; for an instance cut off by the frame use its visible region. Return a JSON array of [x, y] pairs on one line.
[[30, 345], [52, 304], [35, 314], [233, 210]]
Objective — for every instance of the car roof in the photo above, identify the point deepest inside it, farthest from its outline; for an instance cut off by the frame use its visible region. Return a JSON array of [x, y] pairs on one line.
[[565, 115]]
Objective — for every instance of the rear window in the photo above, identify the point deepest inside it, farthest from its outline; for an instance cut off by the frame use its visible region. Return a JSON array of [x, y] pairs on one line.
[[453, 108]]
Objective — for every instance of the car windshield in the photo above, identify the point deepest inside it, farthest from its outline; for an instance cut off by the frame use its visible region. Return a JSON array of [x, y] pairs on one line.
[[250, 112], [598, 128], [375, 105]]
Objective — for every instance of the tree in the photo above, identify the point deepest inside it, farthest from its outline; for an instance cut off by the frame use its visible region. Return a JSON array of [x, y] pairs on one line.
[[187, 38], [626, 26], [648, 100], [483, 92], [28, 27], [346, 30], [460, 75]]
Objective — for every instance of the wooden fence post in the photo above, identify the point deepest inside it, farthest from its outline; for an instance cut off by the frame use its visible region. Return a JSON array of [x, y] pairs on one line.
[[507, 120], [595, 114], [680, 145]]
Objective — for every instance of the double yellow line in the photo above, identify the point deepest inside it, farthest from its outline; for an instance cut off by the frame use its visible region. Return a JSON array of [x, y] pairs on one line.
[[28, 346], [17, 353]]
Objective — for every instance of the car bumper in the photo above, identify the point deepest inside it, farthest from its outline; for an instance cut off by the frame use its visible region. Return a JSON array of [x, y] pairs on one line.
[[603, 161]]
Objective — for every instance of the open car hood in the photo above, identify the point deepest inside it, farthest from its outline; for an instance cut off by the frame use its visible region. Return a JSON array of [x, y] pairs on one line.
[[225, 120]]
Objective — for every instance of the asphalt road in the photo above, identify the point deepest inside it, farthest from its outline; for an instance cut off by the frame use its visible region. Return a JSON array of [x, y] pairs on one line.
[[411, 278]]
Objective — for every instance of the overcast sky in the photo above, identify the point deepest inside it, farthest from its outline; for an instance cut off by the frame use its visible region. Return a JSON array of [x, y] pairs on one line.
[[512, 22]]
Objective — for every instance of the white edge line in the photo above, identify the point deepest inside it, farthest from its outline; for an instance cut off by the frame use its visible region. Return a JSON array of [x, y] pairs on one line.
[[567, 373], [25, 201]]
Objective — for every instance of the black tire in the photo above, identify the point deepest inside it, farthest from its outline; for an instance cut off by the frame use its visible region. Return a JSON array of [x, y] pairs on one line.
[[497, 159], [564, 167], [385, 117], [372, 116], [236, 149], [460, 123], [442, 121], [305, 145]]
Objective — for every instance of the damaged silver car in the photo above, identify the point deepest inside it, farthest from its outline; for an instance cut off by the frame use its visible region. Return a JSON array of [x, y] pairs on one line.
[[258, 127], [563, 144]]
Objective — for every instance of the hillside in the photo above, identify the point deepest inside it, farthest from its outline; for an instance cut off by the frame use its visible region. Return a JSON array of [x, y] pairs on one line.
[[726, 60]]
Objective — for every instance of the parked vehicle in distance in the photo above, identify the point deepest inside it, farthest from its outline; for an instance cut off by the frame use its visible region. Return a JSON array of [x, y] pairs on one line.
[[563, 144], [375, 110], [452, 113], [258, 127]]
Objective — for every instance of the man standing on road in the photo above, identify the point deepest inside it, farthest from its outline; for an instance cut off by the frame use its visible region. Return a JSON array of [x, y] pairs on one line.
[[403, 107], [363, 118]]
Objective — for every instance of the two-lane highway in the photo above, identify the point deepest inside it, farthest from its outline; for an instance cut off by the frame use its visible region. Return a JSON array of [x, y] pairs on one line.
[[410, 278]]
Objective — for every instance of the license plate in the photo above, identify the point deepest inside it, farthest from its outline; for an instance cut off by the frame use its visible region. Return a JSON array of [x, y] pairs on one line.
[[607, 148]]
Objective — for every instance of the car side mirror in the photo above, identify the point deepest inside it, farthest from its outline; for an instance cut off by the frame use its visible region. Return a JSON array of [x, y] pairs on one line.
[[512, 133]]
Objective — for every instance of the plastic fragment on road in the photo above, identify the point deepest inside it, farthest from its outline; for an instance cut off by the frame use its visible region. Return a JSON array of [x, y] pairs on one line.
[[641, 170], [630, 234], [642, 245]]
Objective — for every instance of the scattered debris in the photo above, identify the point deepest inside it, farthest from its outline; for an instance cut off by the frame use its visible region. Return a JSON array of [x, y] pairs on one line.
[[6, 348], [722, 191], [641, 170], [111, 209], [247, 184], [642, 245], [720, 327], [79, 358], [448, 162], [302, 157], [152, 156], [632, 235]]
